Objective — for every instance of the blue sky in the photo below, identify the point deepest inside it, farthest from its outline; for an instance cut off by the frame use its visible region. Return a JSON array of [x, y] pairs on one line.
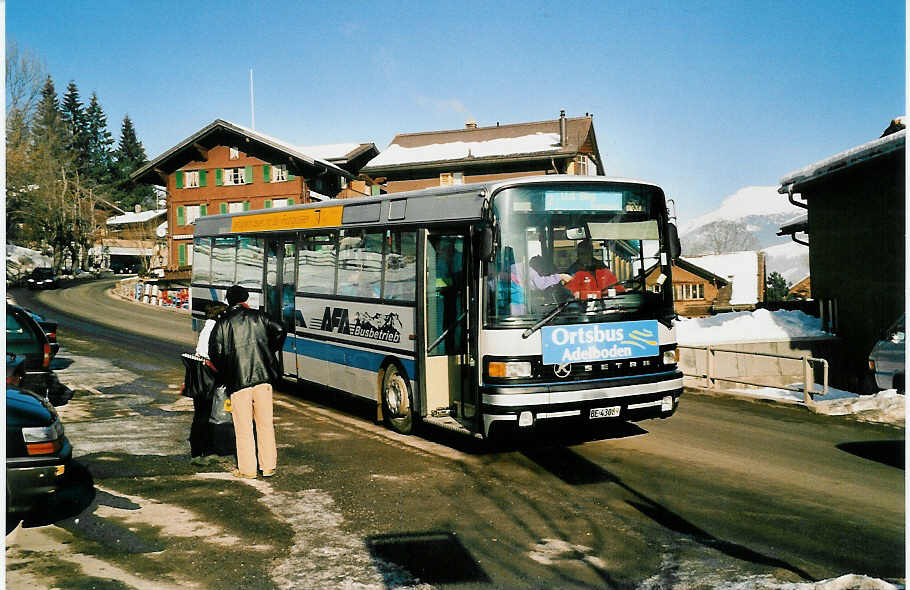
[[703, 98]]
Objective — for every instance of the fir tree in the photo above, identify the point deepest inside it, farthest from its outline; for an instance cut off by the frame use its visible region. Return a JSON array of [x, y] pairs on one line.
[[74, 117], [100, 161], [48, 129], [130, 156], [776, 287]]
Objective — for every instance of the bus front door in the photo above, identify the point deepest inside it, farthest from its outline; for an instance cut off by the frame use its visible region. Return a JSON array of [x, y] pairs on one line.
[[280, 289], [446, 338]]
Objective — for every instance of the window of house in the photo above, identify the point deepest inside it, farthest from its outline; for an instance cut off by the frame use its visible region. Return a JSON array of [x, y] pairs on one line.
[[192, 212], [445, 179], [191, 179], [235, 207], [279, 173], [235, 153], [277, 203], [235, 176]]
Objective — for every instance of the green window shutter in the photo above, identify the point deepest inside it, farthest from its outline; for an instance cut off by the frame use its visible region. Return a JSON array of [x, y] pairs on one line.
[[203, 210], [248, 175], [179, 175], [181, 216], [219, 176], [246, 205], [181, 254], [374, 189], [291, 176], [222, 208], [202, 175], [268, 203], [266, 173], [290, 202]]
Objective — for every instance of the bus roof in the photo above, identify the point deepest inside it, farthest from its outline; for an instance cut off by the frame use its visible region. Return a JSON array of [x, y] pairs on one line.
[[437, 205]]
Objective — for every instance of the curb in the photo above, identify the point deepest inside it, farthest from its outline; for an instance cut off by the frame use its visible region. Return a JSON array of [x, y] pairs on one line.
[[114, 294]]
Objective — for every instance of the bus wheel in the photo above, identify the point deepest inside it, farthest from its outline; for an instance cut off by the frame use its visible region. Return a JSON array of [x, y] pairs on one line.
[[396, 400]]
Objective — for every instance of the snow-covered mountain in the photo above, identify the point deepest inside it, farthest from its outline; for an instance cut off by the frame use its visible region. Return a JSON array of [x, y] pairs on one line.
[[760, 211]]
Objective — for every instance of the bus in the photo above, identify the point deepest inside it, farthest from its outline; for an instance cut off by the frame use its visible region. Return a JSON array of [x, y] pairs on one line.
[[468, 307]]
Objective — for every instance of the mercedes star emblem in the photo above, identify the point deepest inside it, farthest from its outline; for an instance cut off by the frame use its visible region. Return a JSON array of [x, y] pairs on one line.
[[562, 371]]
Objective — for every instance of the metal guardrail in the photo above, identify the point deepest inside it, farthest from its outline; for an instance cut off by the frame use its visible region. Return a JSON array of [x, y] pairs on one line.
[[711, 378]]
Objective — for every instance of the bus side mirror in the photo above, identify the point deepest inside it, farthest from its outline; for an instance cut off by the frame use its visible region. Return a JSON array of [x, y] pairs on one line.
[[483, 242], [675, 247]]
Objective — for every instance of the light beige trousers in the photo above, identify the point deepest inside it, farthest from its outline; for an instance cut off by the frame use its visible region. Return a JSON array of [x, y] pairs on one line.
[[254, 403]]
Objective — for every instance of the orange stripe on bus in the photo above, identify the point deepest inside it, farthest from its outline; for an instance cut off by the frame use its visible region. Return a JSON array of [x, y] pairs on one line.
[[296, 219]]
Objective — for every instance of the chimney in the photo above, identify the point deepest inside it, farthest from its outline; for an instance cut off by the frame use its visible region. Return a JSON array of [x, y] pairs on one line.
[[563, 130], [470, 124]]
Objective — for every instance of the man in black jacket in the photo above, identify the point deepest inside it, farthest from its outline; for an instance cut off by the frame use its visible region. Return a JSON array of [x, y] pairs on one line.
[[242, 347]]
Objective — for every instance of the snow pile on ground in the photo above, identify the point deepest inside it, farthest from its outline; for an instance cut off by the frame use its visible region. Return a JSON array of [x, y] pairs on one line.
[[747, 326], [885, 407], [26, 256]]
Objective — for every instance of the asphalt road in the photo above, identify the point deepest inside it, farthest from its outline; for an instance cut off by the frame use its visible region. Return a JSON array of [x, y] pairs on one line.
[[725, 493]]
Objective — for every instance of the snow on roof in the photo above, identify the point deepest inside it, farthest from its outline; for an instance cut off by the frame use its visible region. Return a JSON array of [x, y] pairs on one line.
[[287, 146], [460, 150], [860, 153], [319, 196], [331, 151], [740, 268], [135, 217]]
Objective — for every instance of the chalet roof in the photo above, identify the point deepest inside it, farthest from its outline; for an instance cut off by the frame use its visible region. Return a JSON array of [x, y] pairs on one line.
[[798, 224], [253, 143], [140, 217], [741, 267], [481, 145], [701, 272], [338, 153], [873, 149]]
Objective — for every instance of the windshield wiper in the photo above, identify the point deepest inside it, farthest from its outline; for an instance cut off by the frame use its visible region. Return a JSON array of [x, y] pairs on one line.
[[548, 318]]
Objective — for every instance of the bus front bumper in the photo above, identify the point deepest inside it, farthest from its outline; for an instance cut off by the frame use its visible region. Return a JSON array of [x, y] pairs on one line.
[[629, 399]]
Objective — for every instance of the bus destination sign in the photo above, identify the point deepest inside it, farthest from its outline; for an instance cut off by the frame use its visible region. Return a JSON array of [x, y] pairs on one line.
[[599, 342]]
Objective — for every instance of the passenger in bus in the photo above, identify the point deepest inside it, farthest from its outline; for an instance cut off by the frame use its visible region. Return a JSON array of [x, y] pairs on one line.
[[243, 348]]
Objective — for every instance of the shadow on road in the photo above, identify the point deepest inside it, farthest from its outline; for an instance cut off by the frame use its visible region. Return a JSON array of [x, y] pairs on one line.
[[887, 452], [576, 470], [433, 557], [77, 494]]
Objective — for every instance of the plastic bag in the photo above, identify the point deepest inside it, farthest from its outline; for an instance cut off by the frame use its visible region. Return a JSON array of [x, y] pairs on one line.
[[221, 407]]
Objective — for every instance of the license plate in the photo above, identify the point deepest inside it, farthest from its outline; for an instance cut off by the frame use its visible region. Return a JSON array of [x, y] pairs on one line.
[[611, 412]]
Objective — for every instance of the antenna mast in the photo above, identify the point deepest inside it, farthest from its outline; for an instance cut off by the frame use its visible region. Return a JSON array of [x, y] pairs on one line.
[[252, 104]]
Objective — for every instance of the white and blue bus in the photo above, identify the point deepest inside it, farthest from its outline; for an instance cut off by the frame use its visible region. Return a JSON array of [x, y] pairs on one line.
[[469, 307]]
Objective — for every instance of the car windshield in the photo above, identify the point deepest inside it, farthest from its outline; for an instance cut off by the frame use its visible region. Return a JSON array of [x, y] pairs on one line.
[[43, 273], [598, 246]]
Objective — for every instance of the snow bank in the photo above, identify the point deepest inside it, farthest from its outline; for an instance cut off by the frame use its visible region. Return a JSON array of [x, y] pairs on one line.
[[747, 326]]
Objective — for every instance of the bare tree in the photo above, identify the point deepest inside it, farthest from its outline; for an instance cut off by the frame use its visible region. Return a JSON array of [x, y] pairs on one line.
[[720, 237]]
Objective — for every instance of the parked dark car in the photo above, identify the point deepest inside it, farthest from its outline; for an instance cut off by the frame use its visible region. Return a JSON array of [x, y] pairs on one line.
[[26, 338], [43, 278], [37, 452], [50, 330]]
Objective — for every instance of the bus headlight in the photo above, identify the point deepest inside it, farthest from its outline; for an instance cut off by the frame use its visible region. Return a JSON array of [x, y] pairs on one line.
[[509, 369], [671, 357]]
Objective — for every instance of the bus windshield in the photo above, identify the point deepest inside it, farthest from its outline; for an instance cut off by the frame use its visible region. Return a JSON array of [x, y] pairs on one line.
[[589, 247]]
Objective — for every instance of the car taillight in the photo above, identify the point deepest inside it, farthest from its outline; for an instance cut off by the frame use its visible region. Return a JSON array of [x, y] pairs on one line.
[[47, 355], [52, 336]]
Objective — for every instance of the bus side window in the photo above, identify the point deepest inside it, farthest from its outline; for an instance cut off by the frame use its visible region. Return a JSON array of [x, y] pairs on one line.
[[316, 264], [401, 266], [360, 263], [223, 261], [201, 265], [250, 259]]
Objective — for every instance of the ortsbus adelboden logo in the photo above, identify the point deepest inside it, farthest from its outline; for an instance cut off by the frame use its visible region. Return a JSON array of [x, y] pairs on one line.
[[599, 342]]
